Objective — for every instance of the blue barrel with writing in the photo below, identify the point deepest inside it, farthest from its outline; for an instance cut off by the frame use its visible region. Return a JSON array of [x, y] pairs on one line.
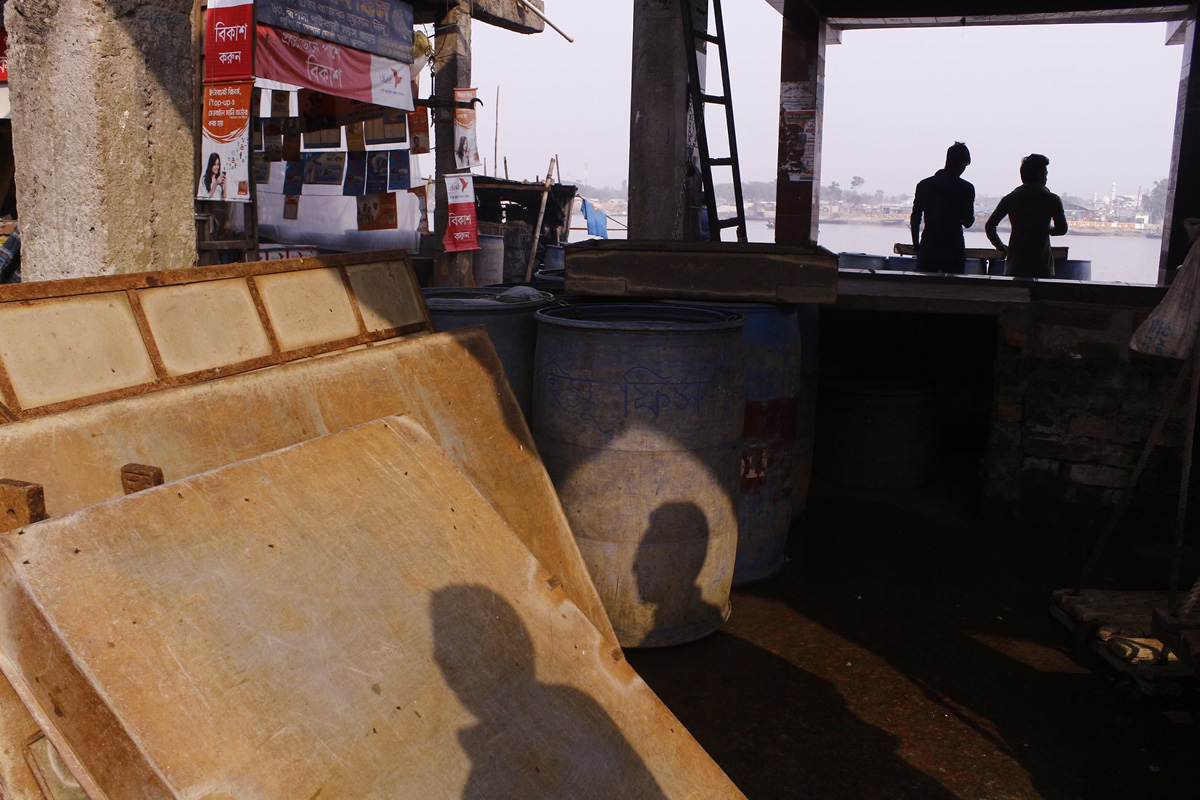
[[507, 313], [638, 415], [771, 343]]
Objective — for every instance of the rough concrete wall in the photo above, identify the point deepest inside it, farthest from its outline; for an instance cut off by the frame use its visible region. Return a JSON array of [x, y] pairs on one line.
[[102, 98], [1073, 409]]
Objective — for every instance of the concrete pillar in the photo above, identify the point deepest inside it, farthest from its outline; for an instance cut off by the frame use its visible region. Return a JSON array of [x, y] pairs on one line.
[[802, 90], [665, 186], [452, 42], [1183, 195], [102, 102]]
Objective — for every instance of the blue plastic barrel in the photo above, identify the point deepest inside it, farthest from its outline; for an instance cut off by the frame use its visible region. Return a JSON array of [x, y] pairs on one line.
[[508, 316], [638, 413], [771, 342]]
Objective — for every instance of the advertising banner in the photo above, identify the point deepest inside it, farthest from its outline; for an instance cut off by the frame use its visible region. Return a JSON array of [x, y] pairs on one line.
[[227, 41], [327, 67], [225, 143], [466, 151], [382, 27], [462, 233]]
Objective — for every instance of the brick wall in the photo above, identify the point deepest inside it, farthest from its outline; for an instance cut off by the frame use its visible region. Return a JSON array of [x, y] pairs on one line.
[[1073, 408]]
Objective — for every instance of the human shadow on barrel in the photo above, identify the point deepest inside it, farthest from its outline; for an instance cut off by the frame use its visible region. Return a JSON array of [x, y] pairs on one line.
[[532, 739], [667, 567]]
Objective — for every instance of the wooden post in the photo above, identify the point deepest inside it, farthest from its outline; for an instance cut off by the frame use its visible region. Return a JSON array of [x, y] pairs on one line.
[[453, 59], [1183, 194], [537, 229], [665, 191], [138, 477], [801, 88], [21, 503]]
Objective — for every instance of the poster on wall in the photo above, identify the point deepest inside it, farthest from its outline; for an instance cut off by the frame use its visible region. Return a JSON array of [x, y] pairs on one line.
[[421, 193], [462, 233], [225, 143], [466, 151], [798, 129], [377, 212], [295, 58], [227, 40], [382, 27]]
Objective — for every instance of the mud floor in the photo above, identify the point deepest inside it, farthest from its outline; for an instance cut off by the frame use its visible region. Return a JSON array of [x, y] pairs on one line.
[[907, 651]]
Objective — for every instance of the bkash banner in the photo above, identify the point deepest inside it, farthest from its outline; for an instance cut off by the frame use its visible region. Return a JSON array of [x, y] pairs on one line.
[[302, 60], [228, 29], [461, 231], [225, 143], [382, 27]]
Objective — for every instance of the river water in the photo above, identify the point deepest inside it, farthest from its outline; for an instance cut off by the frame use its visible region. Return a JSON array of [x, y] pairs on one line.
[[1115, 259]]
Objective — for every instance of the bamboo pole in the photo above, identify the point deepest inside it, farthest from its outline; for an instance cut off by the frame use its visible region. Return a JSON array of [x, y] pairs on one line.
[[537, 229]]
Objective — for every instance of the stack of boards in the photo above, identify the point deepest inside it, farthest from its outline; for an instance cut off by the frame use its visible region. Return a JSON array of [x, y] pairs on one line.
[[354, 580]]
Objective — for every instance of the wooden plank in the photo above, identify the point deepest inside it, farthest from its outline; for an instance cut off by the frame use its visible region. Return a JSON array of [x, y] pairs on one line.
[[734, 271], [354, 607], [986, 253], [453, 382]]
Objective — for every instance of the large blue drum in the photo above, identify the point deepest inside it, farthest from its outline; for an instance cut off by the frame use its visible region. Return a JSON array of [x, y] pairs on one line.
[[638, 413]]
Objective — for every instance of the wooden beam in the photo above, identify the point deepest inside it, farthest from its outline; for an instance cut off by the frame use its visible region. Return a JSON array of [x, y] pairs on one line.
[[507, 14]]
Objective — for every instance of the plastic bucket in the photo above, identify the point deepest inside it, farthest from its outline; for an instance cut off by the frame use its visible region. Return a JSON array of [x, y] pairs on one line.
[[1073, 270], [508, 316], [489, 260], [638, 414]]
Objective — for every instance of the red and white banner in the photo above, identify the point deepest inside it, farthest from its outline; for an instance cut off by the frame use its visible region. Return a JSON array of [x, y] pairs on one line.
[[327, 67], [3, 56], [229, 25], [461, 231], [225, 143]]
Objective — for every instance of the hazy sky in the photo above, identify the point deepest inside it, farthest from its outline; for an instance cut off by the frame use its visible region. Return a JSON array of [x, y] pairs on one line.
[[1098, 100]]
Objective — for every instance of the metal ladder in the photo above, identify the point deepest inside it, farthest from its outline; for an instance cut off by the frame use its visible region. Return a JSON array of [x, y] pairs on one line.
[[699, 101]]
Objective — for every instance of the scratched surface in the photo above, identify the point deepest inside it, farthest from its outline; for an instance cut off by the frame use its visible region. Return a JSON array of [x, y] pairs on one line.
[[347, 617], [453, 382]]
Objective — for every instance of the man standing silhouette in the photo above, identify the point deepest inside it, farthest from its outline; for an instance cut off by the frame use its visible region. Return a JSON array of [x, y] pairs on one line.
[[1036, 214], [947, 203]]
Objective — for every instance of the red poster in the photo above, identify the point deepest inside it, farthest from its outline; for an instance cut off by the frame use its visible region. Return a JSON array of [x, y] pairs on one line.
[[227, 38], [3, 56], [461, 231], [333, 68]]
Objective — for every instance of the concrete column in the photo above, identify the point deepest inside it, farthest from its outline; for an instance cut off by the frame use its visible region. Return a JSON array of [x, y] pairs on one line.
[[665, 186], [802, 91], [102, 102], [452, 42], [1183, 195]]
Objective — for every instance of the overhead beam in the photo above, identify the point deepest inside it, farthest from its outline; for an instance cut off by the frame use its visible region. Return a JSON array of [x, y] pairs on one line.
[[508, 14], [929, 13]]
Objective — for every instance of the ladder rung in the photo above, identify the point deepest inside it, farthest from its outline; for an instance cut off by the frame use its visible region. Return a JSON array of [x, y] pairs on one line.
[[728, 223], [714, 98], [710, 38], [720, 162]]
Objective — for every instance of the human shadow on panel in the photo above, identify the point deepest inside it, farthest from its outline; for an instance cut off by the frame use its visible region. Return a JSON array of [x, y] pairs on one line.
[[530, 739]]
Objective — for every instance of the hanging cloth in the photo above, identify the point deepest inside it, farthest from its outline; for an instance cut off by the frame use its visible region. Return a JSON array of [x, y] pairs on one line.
[[597, 220]]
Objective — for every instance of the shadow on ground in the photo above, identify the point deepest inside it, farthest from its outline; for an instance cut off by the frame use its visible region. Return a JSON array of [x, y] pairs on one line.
[[907, 652]]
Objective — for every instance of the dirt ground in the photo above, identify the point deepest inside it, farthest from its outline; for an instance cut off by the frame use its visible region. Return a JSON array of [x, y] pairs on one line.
[[907, 651]]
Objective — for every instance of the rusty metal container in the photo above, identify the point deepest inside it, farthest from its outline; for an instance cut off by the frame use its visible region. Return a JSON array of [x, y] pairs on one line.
[[638, 414]]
